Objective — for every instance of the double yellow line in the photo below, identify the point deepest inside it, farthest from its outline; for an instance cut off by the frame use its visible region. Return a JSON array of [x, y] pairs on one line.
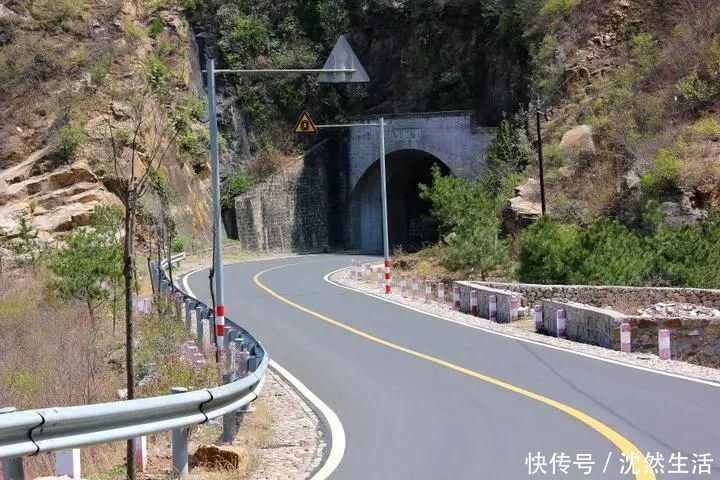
[[631, 452]]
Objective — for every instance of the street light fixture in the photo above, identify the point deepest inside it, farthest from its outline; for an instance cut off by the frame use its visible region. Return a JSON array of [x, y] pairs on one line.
[[342, 66]]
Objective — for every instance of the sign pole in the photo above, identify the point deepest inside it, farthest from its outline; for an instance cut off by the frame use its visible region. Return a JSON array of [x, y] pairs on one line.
[[217, 219], [383, 193]]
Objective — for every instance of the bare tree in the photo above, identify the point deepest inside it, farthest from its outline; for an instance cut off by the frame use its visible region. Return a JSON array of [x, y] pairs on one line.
[[139, 142]]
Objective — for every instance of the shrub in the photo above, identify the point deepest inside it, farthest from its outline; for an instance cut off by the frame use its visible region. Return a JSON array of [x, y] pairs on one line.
[[470, 210], [664, 176], [179, 243], [238, 184], [556, 9], [248, 38], [548, 252], [158, 74], [707, 128], [69, 139], [156, 27], [696, 89]]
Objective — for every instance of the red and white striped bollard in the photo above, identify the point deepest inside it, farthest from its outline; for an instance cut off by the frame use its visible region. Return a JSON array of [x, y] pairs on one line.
[[664, 344], [388, 277], [456, 297], [492, 308], [538, 317], [474, 303], [403, 285], [415, 287], [514, 306], [560, 323], [625, 340]]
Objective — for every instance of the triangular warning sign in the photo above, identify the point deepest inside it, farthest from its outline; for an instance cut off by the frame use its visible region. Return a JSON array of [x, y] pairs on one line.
[[343, 57], [305, 126]]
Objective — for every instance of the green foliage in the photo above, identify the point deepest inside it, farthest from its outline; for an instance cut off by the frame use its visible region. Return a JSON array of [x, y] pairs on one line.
[[664, 176], [707, 128], [548, 252], [698, 90], [452, 91], [69, 139], [556, 9], [247, 38], [179, 243], [90, 258], [510, 152], [25, 247], [156, 27], [469, 210], [158, 75], [238, 184], [548, 62], [609, 253]]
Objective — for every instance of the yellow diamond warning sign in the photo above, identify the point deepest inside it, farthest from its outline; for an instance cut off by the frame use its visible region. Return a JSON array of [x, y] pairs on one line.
[[305, 126]]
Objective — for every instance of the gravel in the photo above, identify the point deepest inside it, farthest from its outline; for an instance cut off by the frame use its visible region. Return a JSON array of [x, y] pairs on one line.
[[678, 310], [296, 444], [646, 360]]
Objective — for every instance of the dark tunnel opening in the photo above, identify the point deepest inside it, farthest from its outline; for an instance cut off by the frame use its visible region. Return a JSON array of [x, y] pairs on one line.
[[410, 223]]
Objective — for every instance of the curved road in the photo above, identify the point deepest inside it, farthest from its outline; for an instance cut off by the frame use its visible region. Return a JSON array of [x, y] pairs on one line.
[[422, 398]]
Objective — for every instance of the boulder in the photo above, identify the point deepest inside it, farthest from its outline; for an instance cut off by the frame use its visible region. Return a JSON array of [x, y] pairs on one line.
[[223, 458], [578, 143]]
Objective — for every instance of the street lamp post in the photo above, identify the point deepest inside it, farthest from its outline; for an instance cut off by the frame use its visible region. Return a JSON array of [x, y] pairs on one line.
[[342, 66], [383, 193]]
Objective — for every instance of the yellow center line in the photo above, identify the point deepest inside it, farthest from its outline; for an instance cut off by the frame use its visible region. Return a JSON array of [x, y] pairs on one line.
[[631, 452]]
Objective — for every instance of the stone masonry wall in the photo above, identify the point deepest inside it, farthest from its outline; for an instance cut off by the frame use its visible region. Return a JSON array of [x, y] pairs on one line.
[[503, 300], [616, 296], [297, 208], [586, 324]]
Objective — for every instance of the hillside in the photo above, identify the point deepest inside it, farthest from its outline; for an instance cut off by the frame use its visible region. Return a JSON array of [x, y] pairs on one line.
[[68, 69]]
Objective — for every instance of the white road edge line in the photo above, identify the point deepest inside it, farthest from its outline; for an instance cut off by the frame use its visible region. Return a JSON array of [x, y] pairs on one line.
[[522, 339], [337, 432]]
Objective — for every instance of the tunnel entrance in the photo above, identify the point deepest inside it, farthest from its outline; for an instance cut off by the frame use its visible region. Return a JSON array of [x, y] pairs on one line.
[[409, 220]]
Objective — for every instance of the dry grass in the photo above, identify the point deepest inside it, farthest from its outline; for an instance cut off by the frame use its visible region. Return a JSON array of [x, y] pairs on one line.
[[52, 355]]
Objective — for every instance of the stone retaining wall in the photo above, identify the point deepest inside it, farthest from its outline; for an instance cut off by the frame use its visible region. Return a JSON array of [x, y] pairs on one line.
[[503, 300], [296, 209], [617, 296], [586, 324]]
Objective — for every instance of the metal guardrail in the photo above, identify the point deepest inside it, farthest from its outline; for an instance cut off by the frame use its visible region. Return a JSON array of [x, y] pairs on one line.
[[31, 432]]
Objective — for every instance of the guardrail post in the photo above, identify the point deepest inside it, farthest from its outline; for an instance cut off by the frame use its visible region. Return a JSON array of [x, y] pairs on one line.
[[67, 462], [140, 447], [229, 419], [13, 469], [180, 445], [199, 325], [189, 305]]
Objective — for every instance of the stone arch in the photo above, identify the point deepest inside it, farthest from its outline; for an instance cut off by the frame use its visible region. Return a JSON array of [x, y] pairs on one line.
[[409, 221]]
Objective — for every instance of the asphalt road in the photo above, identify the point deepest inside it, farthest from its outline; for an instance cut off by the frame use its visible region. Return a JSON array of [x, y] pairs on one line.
[[430, 409]]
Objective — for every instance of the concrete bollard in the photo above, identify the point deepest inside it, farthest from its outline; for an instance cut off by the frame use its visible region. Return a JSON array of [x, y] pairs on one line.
[[538, 317], [456, 297], [428, 290], [474, 303], [560, 323], [229, 419], [13, 469], [415, 287], [206, 336], [388, 278], [140, 448], [379, 283], [664, 344], [403, 285], [514, 307], [179, 438], [67, 462], [492, 308], [625, 340], [441, 293], [199, 324]]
